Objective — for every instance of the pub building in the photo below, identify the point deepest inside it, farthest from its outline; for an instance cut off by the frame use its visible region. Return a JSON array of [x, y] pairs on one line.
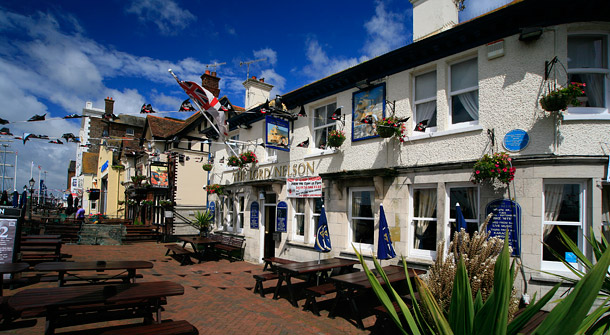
[[461, 91]]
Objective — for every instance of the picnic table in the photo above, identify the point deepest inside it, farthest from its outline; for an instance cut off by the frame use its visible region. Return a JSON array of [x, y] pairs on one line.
[[350, 284], [65, 271], [40, 249], [77, 305], [287, 271], [40, 237], [10, 268], [199, 244]]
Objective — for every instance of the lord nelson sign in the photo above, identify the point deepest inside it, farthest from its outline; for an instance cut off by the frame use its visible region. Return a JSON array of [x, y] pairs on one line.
[[278, 171]]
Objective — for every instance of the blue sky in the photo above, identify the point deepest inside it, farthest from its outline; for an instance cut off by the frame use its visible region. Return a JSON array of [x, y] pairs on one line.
[[56, 55]]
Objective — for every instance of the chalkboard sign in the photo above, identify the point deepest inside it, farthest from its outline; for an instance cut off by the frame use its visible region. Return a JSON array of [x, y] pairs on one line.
[[10, 219], [516, 140], [254, 215], [507, 215], [282, 217]]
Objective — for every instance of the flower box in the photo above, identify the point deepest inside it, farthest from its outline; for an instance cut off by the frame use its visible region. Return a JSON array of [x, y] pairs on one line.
[[207, 167], [215, 189]]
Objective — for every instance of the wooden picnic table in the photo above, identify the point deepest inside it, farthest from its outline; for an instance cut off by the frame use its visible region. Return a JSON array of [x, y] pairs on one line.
[[40, 237], [68, 306], [287, 271], [350, 284], [10, 268], [67, 268], [199, 244], [42, 249]]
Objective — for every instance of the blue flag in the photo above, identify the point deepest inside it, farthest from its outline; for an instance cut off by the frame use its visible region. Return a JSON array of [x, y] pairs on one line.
[[385, 250], [460, 222], [322, 236]]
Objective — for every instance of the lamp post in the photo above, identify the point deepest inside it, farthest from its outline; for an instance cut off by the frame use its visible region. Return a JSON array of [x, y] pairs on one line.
[[31, 182]]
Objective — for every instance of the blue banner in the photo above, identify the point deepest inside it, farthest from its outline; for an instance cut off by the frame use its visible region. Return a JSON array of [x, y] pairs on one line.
[[507, 216], [282, 217], [212, 209], [254, 215]]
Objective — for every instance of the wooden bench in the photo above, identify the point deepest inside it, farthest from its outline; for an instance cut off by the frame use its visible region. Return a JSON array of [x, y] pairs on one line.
[[231, 247], [96, 279], [316, 292], [184, 255], [166, 328], [270, 261], [260, 278]]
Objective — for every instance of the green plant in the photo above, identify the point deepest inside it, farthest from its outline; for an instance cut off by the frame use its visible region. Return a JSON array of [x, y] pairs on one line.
[[215, 189], [146, 202], [475, 316], [335, 138], [207, 167], [390, 127], [497, 166], [559, 99], [234, 161], [137, 222], [118, 167], [165, 203], [203, 221], [248, 157]]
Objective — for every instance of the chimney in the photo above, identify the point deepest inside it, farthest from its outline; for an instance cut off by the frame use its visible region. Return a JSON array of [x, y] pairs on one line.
[[431, 17], [257, 92], [210, 82], [109, 106]]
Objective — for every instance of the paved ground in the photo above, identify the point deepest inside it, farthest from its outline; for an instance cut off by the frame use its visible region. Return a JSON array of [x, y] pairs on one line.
[[218, 296]]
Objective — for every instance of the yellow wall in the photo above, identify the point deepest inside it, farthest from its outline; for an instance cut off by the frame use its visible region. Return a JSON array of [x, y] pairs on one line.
[[115, 191]]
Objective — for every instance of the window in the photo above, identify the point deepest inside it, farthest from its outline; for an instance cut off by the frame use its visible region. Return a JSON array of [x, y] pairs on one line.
[[316, 209], [298, 208], [129, 132], [229, 215], [425, 100], [424, 222], [464, 93], [564, 204], [361, 217], [235, 144], [105, 133], [241, 212], [588, 64], [468, 198], [322, 124]]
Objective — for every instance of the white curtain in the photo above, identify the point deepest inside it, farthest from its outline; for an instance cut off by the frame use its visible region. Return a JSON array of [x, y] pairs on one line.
[[470, 101], [552, 205], [594, 88], [606, 204], [426, 111], [427, 206]]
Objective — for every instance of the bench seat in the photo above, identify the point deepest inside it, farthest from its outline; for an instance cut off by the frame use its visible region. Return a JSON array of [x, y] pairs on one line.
[[316, 292], [183, 254], [166, 328], [98, 279], [260, 278]]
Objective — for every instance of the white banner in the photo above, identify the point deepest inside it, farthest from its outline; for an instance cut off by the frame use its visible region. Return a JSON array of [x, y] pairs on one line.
[[304, 187]]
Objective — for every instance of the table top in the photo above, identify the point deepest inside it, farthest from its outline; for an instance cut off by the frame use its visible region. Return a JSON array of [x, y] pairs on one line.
[[315, 266], [40, 237], [54, 297], [41, 241], [13, 267], [197, 239], [93, 266], [360, 280]]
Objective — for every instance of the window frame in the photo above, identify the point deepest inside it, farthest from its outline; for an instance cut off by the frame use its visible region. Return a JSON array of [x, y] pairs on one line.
[[295, 215], [449, 220], [425, 100], [311, 235], [130, 132], [240, 217], [329, 123], [365, 247], [451, 94], [559, 266], [592, 112], [413, 251]]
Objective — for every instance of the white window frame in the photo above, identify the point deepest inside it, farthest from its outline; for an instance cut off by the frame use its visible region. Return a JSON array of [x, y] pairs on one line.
[[449, 220], [452, 93], [240, 218], [360, 246], [129, 132], [229, 213], [328, 123], [295, 215], [593, 112], [311, 234], [425, 100], [415, 252], [559, 266]]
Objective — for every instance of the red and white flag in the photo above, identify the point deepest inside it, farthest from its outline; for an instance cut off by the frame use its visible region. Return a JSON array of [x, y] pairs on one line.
[[208, 102]]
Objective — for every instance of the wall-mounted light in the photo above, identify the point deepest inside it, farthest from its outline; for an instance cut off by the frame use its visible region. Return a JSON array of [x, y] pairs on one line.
[[302, 112], [530, 34], [363, 84], [245, 126]]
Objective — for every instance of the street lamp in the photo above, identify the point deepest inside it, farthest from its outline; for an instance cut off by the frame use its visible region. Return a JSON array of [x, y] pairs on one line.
[[31, 182]]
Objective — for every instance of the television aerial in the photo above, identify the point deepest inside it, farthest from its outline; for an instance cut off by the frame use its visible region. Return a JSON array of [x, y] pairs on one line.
[[247, 63]]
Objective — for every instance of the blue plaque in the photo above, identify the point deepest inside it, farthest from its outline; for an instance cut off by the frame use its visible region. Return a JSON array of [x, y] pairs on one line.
[[570, 257], [104, 166], [282, 217], [507, 216], [516, 140], [212, 208], [254, 215]]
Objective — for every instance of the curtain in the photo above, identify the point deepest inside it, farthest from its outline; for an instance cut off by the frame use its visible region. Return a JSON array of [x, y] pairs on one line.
[[470, 101], [606, 204], [594, 89], [552, 205], [426, 111], [427, 207]]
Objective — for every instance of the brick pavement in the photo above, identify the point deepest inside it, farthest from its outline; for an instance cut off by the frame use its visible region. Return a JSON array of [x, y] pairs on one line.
[[218, 296]]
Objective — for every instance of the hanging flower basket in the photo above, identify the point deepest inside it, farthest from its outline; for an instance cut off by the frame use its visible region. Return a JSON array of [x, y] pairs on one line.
[[207, 167], [491, 167], [390, 127], [335, 138], [215, 189], [559, 99], [248, 157], [234, 161]]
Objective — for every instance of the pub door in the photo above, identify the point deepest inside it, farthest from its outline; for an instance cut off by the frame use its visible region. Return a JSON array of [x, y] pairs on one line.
[[269, 215]]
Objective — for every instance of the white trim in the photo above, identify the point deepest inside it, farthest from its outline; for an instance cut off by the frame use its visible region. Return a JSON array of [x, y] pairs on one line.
[[451, 93], [319, 152], [412, 251], [448, 132], [364, 247], [294, 235], [241, 212], [448, 220]]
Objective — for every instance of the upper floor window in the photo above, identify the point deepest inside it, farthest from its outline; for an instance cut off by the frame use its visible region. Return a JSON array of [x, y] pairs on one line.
[[129, 132], [464, 92], [425, 100], [588, 64], [322, 124]]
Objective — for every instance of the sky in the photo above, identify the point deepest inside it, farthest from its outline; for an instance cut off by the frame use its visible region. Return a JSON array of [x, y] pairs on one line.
[[57, 55]]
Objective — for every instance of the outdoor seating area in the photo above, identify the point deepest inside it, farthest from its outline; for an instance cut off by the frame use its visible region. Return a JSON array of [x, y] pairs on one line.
[[215, 246]]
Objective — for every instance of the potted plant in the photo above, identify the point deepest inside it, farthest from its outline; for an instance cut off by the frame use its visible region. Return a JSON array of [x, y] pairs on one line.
[[146, 203], [207, 167], [335, 138], [248, 157], [215, 189], [390, 126], [203, 221], [490, 167], [165, 203], [234, 161], [559, 99], [137, 180]]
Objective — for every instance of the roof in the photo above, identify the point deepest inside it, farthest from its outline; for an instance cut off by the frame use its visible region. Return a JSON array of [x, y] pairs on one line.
[[72, 166], [495, 25], [89, 163], [131, 120], [163, 127]]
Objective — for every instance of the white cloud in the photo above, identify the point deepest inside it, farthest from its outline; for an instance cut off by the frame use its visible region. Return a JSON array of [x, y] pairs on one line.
[[267, 53], [386, 32], [273, 78], [321, 65], [474, 8], [166, 14]]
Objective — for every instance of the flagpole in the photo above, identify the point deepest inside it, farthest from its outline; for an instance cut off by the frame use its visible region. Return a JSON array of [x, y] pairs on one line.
[[15, 180], [32, 170], [39, 185]]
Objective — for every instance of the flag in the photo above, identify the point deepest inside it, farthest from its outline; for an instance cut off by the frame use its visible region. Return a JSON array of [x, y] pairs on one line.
[[56, 142], [146, 109], [68, 136], [460, 222], [5, 131], [39, 167], [3, 121], [73, 116], [385, 250], [421, 126], [37, 117], [322, 236], [26, 137], [43, 137], [304, 144], [222, 160], [186, 106], [206, 102]]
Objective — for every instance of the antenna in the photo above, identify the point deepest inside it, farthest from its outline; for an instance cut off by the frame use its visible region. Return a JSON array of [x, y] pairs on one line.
[[248, 65], [215, 65]]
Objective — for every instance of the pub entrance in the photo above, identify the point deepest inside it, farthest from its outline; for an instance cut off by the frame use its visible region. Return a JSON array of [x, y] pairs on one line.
[[269, 216]]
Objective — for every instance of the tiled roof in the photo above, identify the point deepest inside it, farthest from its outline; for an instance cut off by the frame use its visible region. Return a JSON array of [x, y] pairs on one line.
[[89, 163], [163, 127]]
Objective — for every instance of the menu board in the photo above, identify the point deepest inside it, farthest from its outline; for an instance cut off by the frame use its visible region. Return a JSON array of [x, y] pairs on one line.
[[282, 217], [254, 215], [8, 231], [507, 216]]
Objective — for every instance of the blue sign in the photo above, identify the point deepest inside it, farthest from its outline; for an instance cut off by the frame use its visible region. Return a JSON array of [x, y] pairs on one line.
[[516, 140], [277, 133], [104, 166], [254, 215], [282, 217], [570, 257], [212, 209], [507, 216]]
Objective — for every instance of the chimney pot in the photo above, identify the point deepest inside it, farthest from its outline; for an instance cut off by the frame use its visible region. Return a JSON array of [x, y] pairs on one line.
[[207, 71], [262, 80], [254, 77], [213, 73]]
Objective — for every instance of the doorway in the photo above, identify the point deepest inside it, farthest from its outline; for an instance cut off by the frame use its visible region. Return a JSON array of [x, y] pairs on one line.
[[269, 215]]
